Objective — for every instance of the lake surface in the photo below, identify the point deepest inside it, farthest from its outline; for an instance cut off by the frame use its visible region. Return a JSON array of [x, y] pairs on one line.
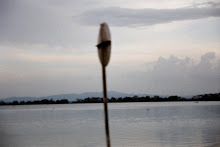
[[165, 124]]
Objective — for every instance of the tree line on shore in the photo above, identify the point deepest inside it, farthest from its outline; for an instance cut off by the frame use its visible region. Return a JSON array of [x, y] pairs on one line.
[[205, 97]]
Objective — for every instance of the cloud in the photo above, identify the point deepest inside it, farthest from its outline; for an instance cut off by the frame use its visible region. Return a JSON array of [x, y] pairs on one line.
[[184, 76], [205, 4], [174, 76], [117, 16], [59, 23], [40, 22]]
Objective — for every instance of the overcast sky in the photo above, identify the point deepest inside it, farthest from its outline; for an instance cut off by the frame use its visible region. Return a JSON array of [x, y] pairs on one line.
[[161, 47]]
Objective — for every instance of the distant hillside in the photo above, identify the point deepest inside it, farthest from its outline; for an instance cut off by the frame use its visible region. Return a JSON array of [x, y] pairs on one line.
[[72, 97]]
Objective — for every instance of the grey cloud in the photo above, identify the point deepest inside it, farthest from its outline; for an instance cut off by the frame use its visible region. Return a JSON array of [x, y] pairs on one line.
[[57, 22], [145, 17], [183, 75], [175, 76], [39, 22], [205, 61], [209, 3]]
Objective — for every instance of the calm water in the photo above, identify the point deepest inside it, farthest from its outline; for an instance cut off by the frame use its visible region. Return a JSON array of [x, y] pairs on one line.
[[131, 124]]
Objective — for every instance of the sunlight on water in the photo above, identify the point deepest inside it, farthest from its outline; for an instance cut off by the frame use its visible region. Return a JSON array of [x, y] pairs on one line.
[[131, 124]]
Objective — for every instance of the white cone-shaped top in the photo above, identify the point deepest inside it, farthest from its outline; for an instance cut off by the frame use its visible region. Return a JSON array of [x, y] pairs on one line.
[[104, 44], [104, 33]]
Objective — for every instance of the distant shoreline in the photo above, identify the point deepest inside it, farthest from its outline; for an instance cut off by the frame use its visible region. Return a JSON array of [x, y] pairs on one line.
[[204, 97]]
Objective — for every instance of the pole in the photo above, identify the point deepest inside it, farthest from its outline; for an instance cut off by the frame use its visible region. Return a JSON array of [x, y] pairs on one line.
[[105, 107], [104, 52]]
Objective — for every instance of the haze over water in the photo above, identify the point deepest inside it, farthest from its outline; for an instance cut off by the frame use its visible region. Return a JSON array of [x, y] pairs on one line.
[[131, 124]]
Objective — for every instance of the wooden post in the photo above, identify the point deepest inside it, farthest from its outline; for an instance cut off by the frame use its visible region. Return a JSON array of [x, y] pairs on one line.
[[105, 99]]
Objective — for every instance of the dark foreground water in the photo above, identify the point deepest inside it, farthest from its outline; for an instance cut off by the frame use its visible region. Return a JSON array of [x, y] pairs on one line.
[[167, 124]]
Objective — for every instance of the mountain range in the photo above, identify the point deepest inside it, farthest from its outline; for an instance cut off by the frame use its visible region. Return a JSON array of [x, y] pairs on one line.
[[73, 96]]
